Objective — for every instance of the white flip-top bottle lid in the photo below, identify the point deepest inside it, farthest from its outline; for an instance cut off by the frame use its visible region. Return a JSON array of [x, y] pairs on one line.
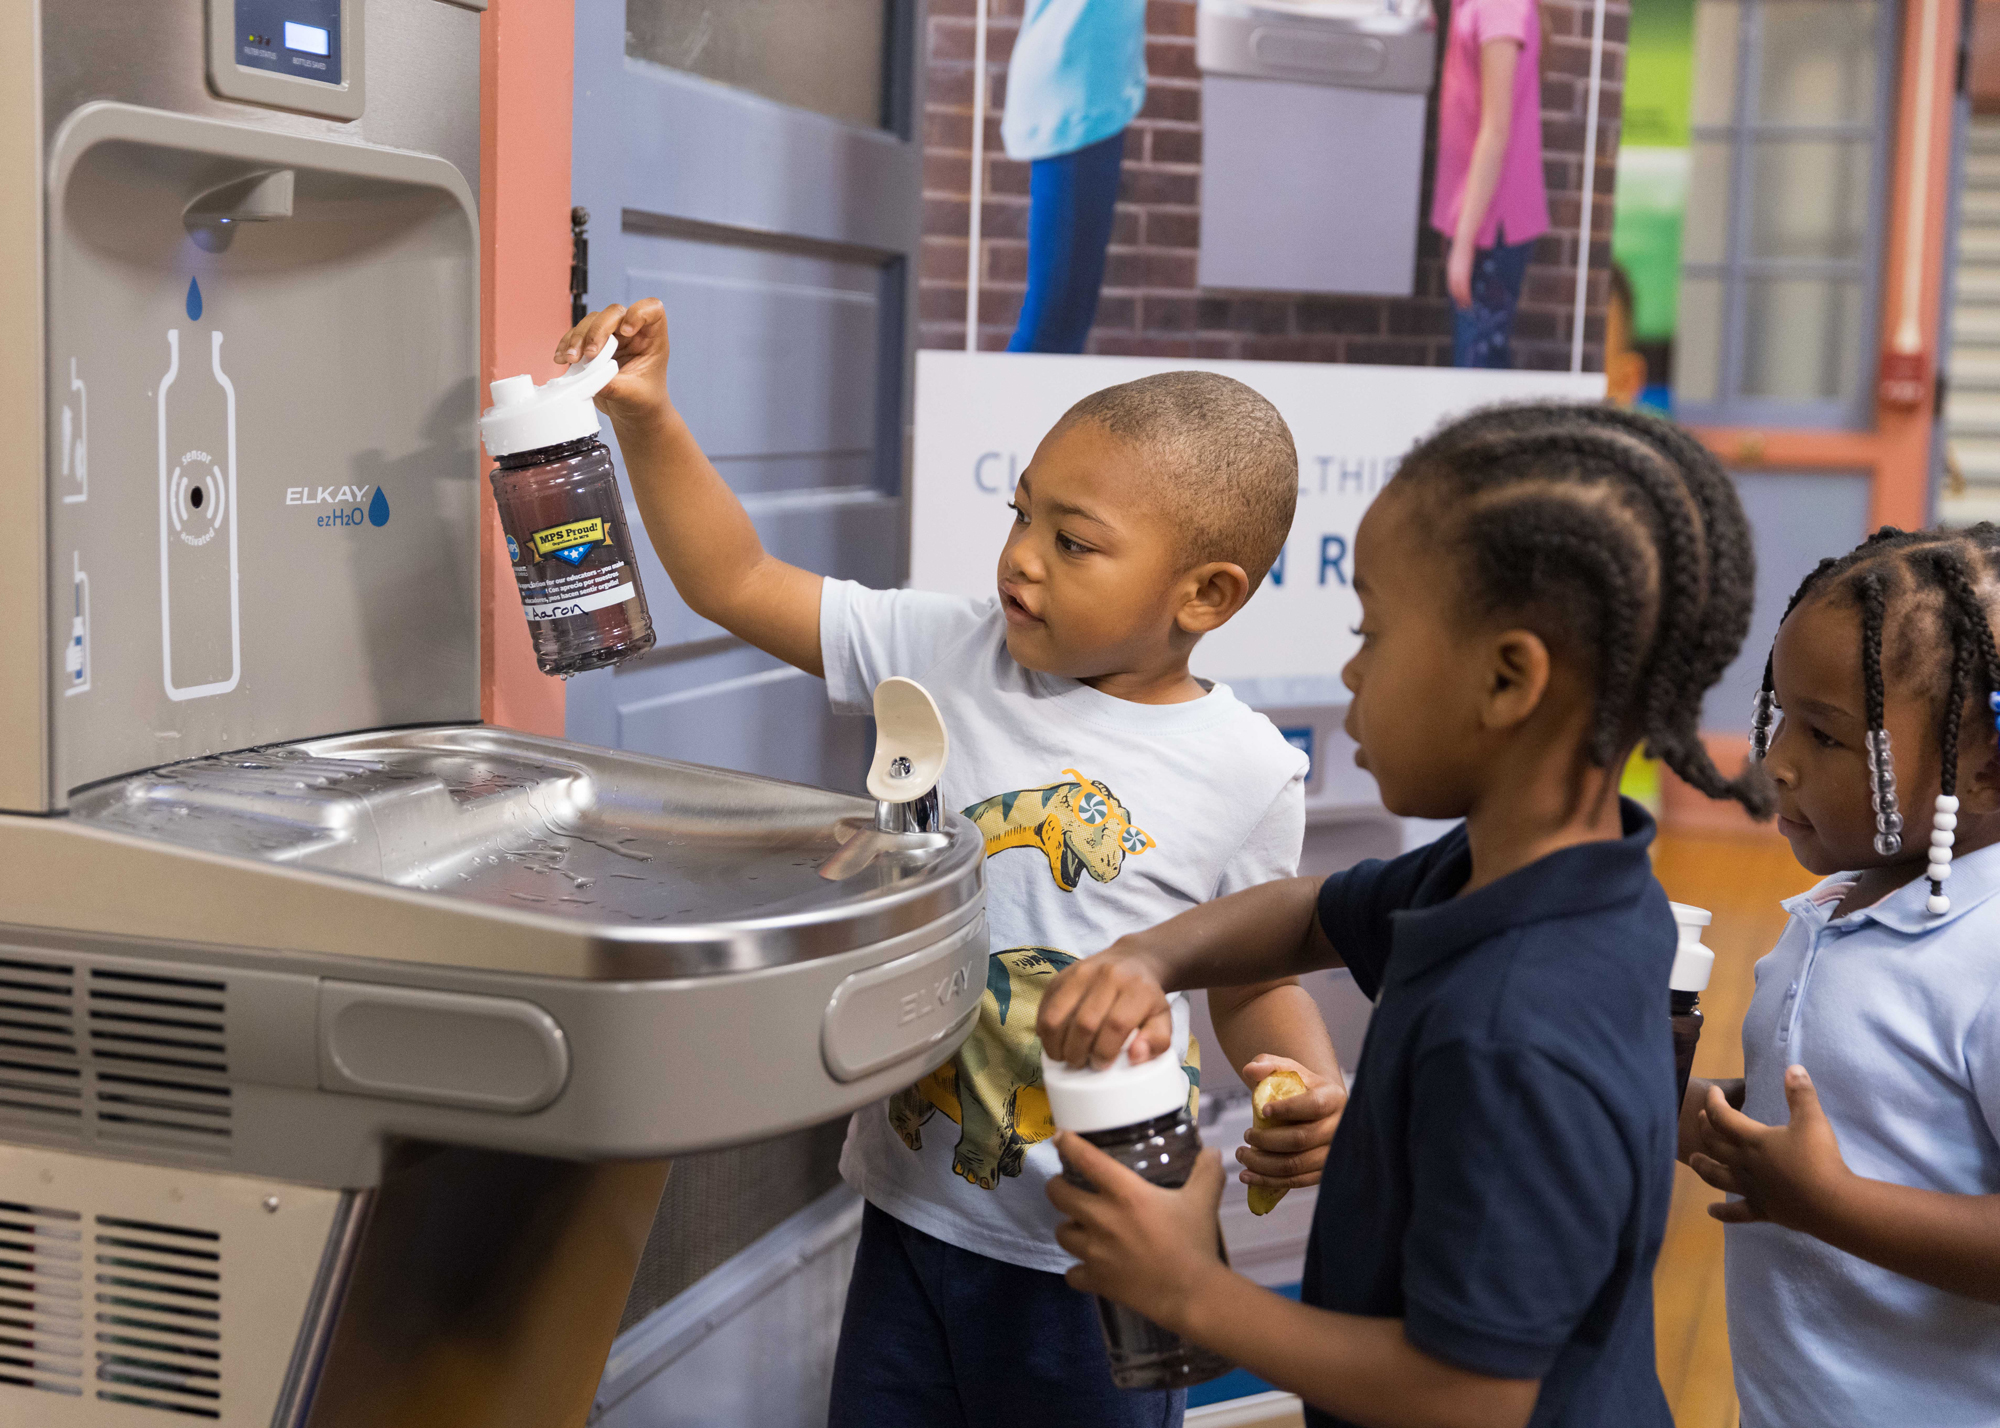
[[525, 417], [1119, 1095], [1692, 961]]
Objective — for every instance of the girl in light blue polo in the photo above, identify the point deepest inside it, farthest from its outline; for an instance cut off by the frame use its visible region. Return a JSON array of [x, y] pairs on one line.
[[1076, 79], [1864, 1139]]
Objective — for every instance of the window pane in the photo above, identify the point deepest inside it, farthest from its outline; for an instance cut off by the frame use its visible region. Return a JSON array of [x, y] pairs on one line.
[[824, 55], [1817, 62], [1716, 27], [1802, 338], [1705, 226], [1809, 198], [1698, 341]]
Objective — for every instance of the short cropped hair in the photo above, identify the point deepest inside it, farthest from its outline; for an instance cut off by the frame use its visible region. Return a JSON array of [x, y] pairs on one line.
[[1220, 453]]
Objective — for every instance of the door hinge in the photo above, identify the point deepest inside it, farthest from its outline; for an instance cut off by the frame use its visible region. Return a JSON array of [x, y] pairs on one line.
[[579, 263]]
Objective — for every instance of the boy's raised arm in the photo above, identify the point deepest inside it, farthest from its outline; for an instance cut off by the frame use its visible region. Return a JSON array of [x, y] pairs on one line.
[[700, 530], [1258, 935]]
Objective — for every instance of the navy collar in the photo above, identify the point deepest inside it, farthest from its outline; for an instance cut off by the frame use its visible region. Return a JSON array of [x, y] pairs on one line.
[[1440, 924]]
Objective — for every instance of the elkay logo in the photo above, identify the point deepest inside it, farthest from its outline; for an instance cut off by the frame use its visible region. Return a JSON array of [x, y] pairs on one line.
[[346, 503], [940, 992]]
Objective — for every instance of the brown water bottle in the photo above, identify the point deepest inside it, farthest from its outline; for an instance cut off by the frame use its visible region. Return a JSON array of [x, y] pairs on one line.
[[1139, 1116], [1689, 979], [567, 536]]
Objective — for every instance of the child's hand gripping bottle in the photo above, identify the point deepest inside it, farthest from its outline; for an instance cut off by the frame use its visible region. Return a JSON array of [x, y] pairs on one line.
[[1139, 1116], [565, 521]]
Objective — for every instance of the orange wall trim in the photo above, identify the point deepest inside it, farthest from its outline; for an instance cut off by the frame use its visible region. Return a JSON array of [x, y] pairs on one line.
[[526, 75]]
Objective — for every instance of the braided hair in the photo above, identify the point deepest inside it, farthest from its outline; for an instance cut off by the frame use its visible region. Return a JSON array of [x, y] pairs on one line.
[[1619, 539], [1919, 576]]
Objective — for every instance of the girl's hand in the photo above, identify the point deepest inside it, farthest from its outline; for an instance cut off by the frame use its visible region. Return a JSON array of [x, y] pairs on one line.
[[1458, 272], [1093, 1005], [1786, 1174], [1290, 1154], [639, 390], [1148, 1248]]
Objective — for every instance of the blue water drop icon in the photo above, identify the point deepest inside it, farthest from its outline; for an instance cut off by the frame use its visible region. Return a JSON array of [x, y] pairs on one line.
[[194, 301], [378, 508]]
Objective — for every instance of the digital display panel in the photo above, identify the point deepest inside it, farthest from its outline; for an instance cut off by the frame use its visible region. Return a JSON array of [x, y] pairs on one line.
[[299, 38]]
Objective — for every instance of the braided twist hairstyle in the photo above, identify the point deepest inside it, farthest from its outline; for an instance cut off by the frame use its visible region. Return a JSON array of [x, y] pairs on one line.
[[1617, 538], [1926, 585]]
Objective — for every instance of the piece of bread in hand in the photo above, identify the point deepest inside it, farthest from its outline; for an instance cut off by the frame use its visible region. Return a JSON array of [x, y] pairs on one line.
[[1278, 1086]]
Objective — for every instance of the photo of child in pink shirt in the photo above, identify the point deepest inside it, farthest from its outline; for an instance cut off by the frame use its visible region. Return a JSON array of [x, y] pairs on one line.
[[1491, 200]]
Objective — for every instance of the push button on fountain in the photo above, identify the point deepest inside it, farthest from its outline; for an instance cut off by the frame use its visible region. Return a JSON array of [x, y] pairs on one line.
[[484, 1053]]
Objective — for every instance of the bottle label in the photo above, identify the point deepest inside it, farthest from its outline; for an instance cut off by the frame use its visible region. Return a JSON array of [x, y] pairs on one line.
[[569, 542], [576, 594]]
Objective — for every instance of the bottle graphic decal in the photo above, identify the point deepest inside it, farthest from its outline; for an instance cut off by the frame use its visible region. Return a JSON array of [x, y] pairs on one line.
[[200, 626], [76, 654], [76, 441]]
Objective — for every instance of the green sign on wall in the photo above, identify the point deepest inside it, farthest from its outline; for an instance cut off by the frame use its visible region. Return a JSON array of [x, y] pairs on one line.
[[1653, 162]]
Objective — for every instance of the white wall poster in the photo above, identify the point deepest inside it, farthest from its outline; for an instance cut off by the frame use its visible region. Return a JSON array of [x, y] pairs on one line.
[[979, 416]]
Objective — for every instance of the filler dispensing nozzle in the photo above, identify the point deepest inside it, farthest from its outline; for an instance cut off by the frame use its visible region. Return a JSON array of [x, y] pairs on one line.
[[212, 217], [910, 750]]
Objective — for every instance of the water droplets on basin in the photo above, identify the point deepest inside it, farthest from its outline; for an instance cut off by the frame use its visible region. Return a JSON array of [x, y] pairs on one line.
[[466, 814]]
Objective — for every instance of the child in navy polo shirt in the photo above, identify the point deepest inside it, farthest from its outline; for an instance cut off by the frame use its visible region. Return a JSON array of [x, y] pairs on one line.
[[1541, 588], [1864, 1139]]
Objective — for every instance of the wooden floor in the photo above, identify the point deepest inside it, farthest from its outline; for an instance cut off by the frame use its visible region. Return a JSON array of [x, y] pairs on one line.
[[1741, 881]]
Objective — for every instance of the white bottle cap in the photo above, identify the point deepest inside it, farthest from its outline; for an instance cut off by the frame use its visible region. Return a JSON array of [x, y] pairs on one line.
[[525, 417], [1119, 1095], [1692, 961]]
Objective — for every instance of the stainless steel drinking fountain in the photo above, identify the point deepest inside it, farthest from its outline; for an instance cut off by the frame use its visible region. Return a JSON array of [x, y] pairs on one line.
[[342, 1039]]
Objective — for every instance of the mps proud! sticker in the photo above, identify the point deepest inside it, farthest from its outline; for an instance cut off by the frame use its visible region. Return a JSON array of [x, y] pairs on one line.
[[570, 542]]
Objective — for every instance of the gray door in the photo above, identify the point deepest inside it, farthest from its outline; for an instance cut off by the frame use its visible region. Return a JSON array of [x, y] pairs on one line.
[[751, 163]]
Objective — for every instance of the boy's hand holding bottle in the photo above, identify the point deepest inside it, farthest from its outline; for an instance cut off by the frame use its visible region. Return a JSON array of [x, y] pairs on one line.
[[1138, 1243], [1093, 1005], [639, 391], [699, 529]]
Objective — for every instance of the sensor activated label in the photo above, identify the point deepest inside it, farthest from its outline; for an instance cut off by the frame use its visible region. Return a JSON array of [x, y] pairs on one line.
[[570, 542]]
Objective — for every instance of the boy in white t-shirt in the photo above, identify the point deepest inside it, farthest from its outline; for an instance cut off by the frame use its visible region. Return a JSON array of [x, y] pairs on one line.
[[1114, 790]]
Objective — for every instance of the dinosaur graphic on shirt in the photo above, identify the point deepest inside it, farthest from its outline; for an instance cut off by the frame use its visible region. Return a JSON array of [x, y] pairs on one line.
[[992, 1086], [1079, 824]]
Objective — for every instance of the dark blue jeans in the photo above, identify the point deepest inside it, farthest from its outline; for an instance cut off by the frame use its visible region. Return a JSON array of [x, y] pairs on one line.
[[1071, 199], [1482, 335], [939, 1337]]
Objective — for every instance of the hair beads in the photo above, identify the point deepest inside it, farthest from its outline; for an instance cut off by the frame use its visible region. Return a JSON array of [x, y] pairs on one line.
[[1943, 829], [1761, 710], [1881, 762], [1882, 775]]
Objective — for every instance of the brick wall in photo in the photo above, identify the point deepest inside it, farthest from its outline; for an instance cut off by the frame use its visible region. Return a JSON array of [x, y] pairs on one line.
[[1151, 305]]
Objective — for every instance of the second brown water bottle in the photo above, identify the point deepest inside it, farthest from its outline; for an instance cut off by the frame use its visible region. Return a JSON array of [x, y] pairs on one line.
[[1689, 979], [1140, 1117]]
